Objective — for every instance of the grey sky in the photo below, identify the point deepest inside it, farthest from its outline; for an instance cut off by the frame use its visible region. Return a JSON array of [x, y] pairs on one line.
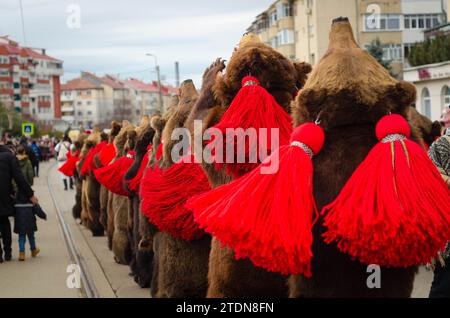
[[115, 35]]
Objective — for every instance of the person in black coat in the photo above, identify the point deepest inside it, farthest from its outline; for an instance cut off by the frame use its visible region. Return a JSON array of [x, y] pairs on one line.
[[9, 171]]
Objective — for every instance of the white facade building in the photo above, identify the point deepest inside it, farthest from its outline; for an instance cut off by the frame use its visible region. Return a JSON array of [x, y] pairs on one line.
[[433, 88]]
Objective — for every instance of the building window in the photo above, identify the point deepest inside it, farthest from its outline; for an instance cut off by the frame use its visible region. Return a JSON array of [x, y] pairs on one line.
[[287, 10], [422, 21], [89, 113], [386, 22], [274, 42], [273, 18], [88, 103], [286, 36], [426, 102], [445, 97]]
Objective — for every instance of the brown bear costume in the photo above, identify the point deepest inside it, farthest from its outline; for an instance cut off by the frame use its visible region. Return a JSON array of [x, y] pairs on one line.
[[227, 276], [349, 91], [180, 267], [141, 263], [118, 207], [115, 129], [427, 130]]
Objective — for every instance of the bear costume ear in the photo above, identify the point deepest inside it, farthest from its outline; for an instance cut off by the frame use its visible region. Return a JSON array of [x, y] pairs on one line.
[[302, 69], [158, 123], [404, 94], [436, 130], [307, 105]]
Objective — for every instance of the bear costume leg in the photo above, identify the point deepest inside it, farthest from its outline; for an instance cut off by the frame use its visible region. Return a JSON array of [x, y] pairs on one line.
[[120, 244], [93, 198]]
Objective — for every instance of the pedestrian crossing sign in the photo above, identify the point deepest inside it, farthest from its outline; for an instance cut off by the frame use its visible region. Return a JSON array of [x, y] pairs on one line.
[[27, 129]]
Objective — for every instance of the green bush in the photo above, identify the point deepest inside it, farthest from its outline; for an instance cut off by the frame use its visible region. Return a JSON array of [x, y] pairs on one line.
[[430, 51]]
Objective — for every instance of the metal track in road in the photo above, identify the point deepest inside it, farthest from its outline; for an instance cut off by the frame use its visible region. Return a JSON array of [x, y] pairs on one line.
[[86, 280]]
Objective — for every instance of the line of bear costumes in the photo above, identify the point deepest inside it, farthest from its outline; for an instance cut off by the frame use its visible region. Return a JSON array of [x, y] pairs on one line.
[[350, 91]]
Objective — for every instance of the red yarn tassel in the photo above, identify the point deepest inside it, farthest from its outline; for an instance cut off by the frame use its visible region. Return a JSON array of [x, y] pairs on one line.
[[164, 194], [68, 168], [395, 209], [253, 107], [89, 163], [134, 183], [268, 217], [111, 176], [107, 154]]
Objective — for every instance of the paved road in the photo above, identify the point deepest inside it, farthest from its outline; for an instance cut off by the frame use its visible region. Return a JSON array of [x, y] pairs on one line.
[[46, 275]]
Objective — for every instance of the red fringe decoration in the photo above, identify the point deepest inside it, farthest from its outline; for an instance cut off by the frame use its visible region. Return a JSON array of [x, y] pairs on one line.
[[268, 218], [107, 154], [395, 209], [89, 163], [135, 183], [111, 176], [164, 194], [68, 169], [253, 107]]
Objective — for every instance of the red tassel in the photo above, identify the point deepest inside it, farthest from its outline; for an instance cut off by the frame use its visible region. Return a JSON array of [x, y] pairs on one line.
[[395, 209], [135, 183], [268, 217], [107, 154], [111, 176], [253, 107], [89, 163], [164, 194], [68, 168]]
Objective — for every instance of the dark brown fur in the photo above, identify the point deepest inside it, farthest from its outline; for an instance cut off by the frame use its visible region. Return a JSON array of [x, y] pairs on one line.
[[228, 277], [180, 267], [357, 92]]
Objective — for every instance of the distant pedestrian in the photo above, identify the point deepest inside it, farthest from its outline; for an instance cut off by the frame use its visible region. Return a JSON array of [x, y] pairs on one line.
[[440, 154], [37, 152], [10, 171], [25, 165], [62, 149]]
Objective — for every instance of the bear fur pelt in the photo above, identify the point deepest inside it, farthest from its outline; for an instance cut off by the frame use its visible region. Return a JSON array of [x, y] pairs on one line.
[[140, 263], [228, 277], [90, 213], [76, 210], [115, 129], [121, 248], [425, 129], [180, 267], [349, 92]]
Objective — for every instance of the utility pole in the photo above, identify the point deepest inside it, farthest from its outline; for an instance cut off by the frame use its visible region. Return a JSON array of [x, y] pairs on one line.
[[177, 74], [158, 73]]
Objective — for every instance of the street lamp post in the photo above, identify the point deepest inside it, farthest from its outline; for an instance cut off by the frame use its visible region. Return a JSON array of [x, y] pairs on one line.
[[158, 73]]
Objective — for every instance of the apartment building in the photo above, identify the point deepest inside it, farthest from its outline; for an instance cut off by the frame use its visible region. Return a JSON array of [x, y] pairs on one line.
[[397, 23], [276, 27], [30, 81], [91, 100], [145, 97]]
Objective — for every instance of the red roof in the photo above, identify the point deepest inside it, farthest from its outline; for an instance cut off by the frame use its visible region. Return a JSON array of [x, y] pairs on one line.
[[79, 84], [9, 47], [152, 87]]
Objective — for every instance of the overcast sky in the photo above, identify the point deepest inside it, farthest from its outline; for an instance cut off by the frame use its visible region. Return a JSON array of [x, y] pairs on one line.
[[114, 36]]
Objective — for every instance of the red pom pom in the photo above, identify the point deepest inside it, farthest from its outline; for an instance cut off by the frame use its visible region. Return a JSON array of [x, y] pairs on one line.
[[252, 108], [394, 210], [89, 163], [68, 169], [268, 215], [164, 194], [311, 135], [392, 125], [107, 154], [111, 176]]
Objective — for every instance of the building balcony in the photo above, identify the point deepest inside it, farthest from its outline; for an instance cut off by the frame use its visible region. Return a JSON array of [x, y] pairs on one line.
[[65, 98], [6, 91], [25, 104], [6, 79], [44, 104], [42, 81], [67, 109], [24, 79], [68, 118]]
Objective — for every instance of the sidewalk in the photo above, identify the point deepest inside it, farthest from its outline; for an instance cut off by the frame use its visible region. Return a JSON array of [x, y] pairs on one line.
[[44, 276], [111, 279]]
